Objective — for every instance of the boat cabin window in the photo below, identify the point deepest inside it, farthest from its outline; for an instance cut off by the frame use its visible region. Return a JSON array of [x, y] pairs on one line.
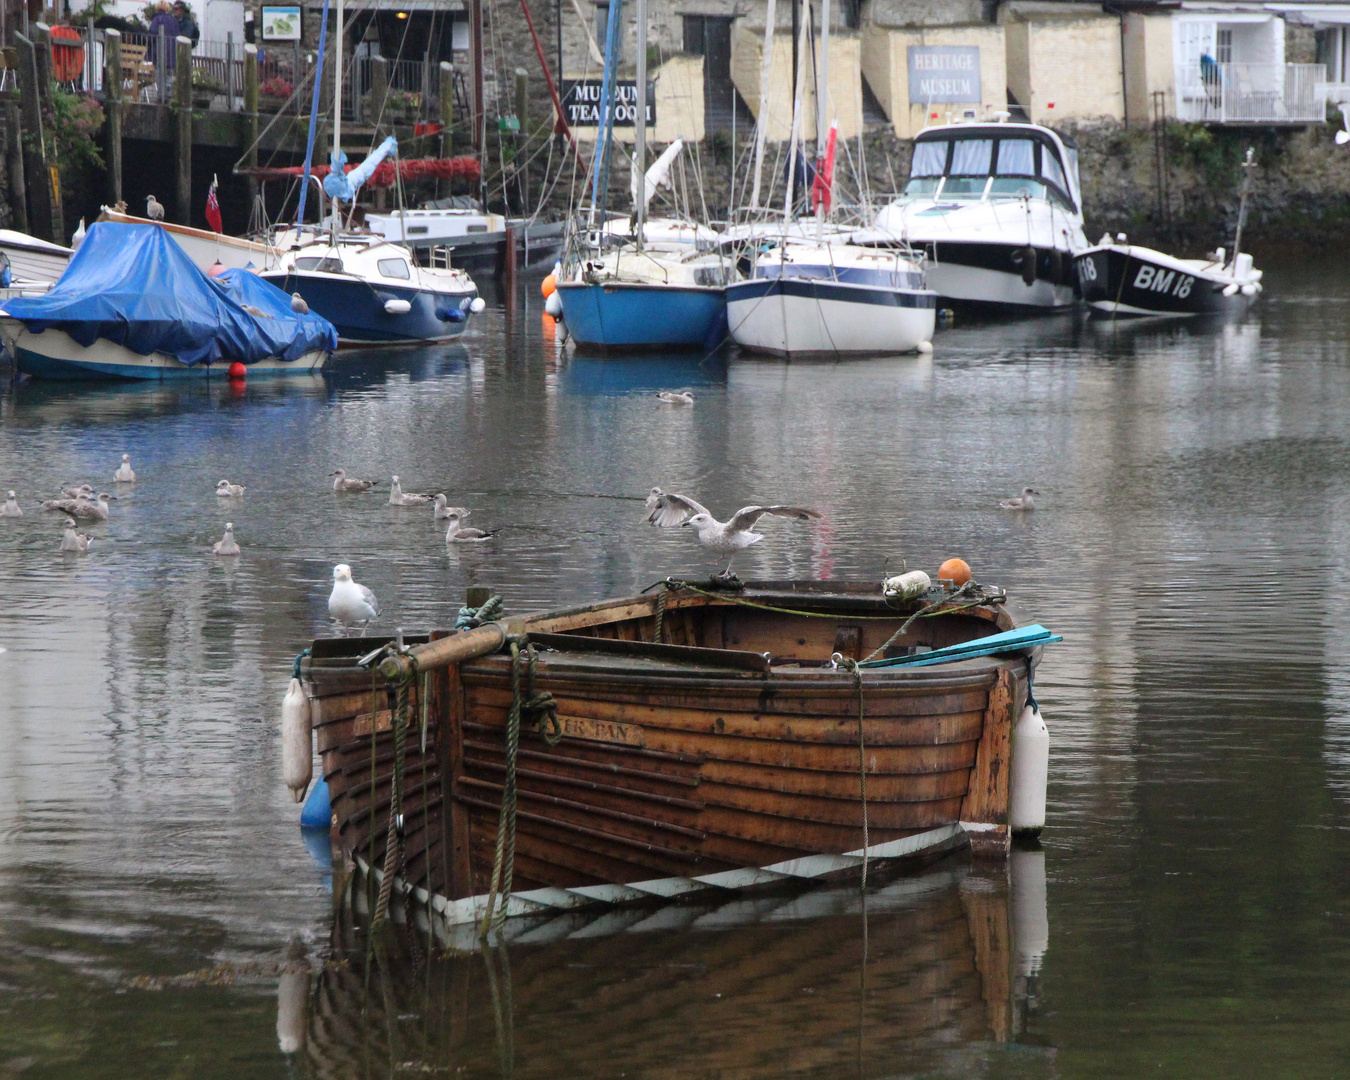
[[417, 230], [476, 228], [313, 262], [1052, 171], [930, 159], [1016, 157], [396, 268], [975, 168], [970, 157]]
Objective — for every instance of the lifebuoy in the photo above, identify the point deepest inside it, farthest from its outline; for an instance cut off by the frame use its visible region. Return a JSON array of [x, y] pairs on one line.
[[67, 59]]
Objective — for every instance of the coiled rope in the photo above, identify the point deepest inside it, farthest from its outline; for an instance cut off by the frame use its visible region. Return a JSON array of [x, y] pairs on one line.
[[470, 617]]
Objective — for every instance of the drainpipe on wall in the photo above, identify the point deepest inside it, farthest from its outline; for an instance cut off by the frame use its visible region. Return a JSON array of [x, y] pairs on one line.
[[1119, 13], [991, 10]]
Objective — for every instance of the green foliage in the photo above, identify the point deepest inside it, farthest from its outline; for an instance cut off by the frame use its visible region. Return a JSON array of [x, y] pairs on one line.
[[76, 121]]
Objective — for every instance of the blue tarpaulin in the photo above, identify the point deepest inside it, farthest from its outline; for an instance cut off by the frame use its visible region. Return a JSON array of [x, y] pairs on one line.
[[133, 285]]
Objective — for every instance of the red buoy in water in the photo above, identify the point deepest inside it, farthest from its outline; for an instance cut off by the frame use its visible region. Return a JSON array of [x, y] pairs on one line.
[[237, 370]]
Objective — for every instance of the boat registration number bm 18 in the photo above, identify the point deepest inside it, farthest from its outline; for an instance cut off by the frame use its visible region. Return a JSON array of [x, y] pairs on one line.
[[1158, 280]]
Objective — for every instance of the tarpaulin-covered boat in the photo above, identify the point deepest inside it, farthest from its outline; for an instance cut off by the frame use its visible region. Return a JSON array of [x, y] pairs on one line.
[[132, 304], [658, 745]]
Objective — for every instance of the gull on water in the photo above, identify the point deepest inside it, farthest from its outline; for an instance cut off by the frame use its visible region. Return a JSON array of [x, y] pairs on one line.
[[11, 507], [723, 539], [457, 534], [673, 397], [349, 483], [76, 492], [399, 497], [226, 490], [350, 603], [124, 473], [73, 541], [441, 510], [226, 545], [68, 506], [88, 510], [1021, 502]]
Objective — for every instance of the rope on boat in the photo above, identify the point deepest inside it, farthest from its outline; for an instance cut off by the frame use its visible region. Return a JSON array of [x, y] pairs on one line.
[[660, 619], [847, 663], [393, 843], [470, 617], [969, 589], [295, 667]]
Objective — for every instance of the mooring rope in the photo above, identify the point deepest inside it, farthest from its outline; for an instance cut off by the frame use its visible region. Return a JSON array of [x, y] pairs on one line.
[[847, 663], [393, 843], [503, 862], [659, 626], [970, 588]]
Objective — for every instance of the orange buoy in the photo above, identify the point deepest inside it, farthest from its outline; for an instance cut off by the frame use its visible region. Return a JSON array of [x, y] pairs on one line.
[[957, 571], [238, 371], [548, 285], [215, 269]]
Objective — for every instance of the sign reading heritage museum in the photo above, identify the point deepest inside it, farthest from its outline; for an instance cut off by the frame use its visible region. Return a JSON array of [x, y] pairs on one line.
[[944, 73], [581, 102]]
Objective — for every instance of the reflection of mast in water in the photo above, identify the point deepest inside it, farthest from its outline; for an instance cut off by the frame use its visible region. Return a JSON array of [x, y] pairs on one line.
[[767, 985]]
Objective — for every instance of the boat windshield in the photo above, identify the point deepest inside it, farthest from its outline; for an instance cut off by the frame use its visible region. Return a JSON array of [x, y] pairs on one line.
[[1023, 165], [313, 262]]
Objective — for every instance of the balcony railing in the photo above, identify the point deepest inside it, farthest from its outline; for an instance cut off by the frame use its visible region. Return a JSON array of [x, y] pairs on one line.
[[1252, 93]]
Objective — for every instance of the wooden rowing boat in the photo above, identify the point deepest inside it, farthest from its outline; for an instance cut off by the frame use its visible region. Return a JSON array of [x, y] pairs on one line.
[[725, 752]]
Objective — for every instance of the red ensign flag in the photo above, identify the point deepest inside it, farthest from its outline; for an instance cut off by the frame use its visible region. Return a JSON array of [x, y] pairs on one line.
[[213, 209]]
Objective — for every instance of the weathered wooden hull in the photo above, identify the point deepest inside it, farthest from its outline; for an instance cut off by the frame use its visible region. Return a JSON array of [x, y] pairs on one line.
[[692, 765]]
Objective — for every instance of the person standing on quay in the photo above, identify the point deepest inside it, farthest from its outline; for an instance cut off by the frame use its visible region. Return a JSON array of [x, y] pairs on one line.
[[187, 25]]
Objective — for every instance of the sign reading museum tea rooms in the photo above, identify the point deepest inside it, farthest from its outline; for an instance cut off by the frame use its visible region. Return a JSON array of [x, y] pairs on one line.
[[944, 74], [581, 102]]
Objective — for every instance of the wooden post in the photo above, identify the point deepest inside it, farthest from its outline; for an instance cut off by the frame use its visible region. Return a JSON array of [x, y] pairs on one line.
[[36, 178], [509, 268], [251, 118], [521, 140], [46, 87], [182, 103], [379, 89], [229, 72], [18, 190], [445, 91], [112, 105]]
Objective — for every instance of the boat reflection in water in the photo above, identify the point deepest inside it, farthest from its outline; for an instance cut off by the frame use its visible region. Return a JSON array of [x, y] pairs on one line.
[[927, 978]]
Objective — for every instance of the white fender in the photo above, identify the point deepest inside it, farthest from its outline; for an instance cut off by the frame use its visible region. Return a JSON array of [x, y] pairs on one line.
[[553, 305], [907, 586], [477, 304], [297, 755], [397, 307], [924, 347], [1030, 772], [1030, 923], [293, 1011]]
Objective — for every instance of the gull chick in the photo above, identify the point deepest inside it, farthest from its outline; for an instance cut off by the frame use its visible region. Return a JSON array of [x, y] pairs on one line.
[[671, 397], [723, 539], [441, 510], [226, 544], [350, 603], [1021, 502], [73, 541], [124, 473], [11, 507], [398, 497], [349, 483], [226, 490], [457, 534]]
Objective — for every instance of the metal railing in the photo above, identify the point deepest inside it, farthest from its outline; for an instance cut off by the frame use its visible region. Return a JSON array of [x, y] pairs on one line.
[[1239, 93]]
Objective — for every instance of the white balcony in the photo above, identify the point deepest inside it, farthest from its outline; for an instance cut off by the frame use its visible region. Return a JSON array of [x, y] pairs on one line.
[[1252, 94]]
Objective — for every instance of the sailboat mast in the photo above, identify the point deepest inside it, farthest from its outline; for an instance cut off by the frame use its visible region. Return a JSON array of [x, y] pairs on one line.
[[338, 43], [762, 118], [822, 106], [600, 173], [800, 69], [640, 124]]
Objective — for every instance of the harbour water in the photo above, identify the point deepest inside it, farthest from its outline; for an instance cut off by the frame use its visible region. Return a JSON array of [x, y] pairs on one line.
[[1191, 544]]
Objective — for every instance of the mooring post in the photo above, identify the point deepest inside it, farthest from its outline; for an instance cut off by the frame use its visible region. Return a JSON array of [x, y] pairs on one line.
[[36, 177], [445, 93], [229, 71], [251, 118], [18, 190], [112, 105], [46, 86], [182, 103], [509, 267]]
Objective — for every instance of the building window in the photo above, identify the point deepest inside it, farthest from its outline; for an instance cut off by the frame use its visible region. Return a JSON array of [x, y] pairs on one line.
[[1223, 46]]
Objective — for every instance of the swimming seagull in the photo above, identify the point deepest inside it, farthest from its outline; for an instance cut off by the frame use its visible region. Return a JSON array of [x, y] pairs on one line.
[[226, 490], [349, 483], [73, 541], [11, 507], [398, 497], [1022, 502], [154, 209], [69, 506], [76, 492], [441, 510], [457, 534], [670, 397], [298, 304], [226, 545], [350, 603], [665, 510], [124, 473], [88, 510]]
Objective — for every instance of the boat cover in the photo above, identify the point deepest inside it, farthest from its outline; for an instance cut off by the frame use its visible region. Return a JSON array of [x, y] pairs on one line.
[[134, 286]]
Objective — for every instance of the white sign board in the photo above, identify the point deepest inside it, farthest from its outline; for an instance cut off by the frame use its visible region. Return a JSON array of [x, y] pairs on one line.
[[281, 23], [944, 73]]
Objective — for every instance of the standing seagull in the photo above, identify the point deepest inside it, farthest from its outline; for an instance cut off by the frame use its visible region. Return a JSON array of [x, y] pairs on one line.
[[1022, 502], [298, 304], [73, 541], [154, 209], [226, 490], [397, 496], [124, 473], [11, 507], [350, 603], [455, 534], [349, 483], [226, 545], [723, 539]]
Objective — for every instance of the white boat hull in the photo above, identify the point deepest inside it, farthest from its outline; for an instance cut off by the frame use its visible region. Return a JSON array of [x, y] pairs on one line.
[[207, 248], [976, 285], [791, 316], [54, 354]]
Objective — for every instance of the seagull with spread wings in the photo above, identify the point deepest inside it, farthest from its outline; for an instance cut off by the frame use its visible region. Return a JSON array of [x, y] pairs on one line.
[[723, 539]]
